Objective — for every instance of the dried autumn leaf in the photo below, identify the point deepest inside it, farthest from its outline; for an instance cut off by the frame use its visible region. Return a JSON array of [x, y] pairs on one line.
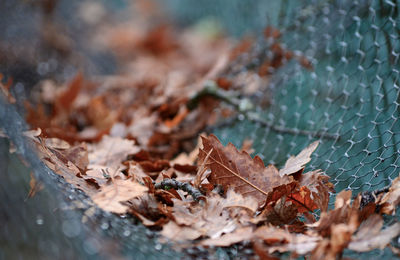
[[78, 155], [319, 186], [247, 146], [35, 186], [110, 197], [302, 198], [65, 99], [391, 199], [237, 236], [174, 232], [5, 90], [111, 151], [337, 227], [340, 237], [56, 143], [57, 162], [233, 169], [280, 240], [32, 134], [370, 236], [299, 195], [297, 163], [217, 217], [283, 212]]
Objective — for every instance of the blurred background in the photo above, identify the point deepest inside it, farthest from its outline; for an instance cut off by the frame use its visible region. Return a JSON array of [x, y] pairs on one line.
[[345, 93]]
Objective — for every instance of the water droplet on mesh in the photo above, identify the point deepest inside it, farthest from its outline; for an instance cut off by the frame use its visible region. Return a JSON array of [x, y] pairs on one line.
[[149, 233], [39, 220], [71, 228], [104, 226], [91, 246], [241, 117], [158, 247], [42, 68], [127, 233]]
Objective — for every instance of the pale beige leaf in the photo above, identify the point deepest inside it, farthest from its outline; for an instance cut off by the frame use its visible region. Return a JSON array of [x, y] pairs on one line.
[[174, 232], [372, 240], [216, 217], [32, 134], [111, 151], [297, 163], [56, 143], [237, 236], [391, 199], [110, 197], [343, 198], [234, 199], [283, 241]]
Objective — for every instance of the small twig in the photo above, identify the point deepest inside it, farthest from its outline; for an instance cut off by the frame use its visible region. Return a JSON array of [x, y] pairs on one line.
[[185, 186], [255, 118], [244, 107]]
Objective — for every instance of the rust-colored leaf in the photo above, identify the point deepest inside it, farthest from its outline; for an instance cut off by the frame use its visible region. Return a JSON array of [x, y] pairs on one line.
[[319, 185], [65, 100]]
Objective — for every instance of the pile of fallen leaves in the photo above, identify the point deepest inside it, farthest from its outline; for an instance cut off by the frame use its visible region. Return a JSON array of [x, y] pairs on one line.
[[130, 142], [225, 198]]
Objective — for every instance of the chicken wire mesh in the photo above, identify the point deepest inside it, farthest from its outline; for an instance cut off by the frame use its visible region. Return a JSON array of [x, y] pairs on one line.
[[349, 100]]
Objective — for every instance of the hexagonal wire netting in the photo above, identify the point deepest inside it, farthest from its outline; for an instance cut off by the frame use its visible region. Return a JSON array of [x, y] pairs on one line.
[[349, 100]]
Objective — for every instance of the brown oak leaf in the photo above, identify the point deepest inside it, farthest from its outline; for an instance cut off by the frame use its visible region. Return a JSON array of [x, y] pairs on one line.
[[233, 169]]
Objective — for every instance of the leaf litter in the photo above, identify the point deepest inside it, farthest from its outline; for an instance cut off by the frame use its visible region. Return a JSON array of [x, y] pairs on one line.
[[133, 144]]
